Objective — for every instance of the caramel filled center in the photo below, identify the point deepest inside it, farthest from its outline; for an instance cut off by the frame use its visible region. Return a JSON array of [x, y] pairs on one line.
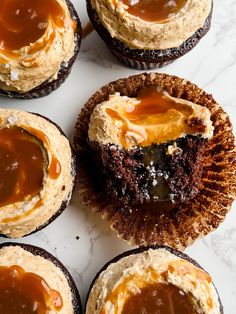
[[154, 10], [23, 22], [160, 298], [21, 165], [26, 293]]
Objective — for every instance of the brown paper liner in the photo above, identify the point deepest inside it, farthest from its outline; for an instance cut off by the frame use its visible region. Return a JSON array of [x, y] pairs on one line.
[[189, 221], [76, 301], [49, 86]]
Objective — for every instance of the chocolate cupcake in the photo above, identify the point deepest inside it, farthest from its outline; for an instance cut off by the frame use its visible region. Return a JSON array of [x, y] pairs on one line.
[[37, 172], [39, 44], [148, 34], [153, 280], [157, 159], [34, 281]]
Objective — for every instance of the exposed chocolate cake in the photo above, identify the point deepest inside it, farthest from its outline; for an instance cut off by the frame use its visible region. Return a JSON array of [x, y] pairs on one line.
[[149, 174]]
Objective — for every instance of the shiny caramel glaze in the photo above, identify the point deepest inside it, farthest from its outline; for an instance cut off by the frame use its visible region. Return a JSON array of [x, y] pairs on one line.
[[160, 298], [22, 165], [54, 168], [154, 10], [23, 22], [155, 109], [26, 293]]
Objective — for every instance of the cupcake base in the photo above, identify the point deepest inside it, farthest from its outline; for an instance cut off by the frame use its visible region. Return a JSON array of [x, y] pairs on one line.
[[49, 86], [76, 301], [185, 223], [145, 59]]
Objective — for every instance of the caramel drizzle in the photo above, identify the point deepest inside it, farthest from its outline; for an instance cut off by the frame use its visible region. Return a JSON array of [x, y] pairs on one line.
[[154, 107], [27, 290], [54, 168], [41, 14], [154, 10]]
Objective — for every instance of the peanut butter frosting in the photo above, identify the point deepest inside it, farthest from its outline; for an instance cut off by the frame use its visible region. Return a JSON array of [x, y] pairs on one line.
[[136, 31], [29, 208], [36, 41], [153, 118], [130, 275]]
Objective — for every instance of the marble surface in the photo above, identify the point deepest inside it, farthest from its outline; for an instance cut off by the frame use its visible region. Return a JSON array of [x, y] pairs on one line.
[[81, 240]]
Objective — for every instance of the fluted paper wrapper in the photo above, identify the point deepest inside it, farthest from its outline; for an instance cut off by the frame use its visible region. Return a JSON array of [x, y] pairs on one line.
[[189, 221]]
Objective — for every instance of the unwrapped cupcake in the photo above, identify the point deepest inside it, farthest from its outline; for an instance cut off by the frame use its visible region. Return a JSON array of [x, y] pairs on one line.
[[147, 34]]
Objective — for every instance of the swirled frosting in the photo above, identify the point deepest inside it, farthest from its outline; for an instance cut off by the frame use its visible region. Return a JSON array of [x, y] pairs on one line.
[[123, 23]]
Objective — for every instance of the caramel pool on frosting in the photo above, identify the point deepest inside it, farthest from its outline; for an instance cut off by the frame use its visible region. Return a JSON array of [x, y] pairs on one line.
[[23, 22], [22, 164], [154, 117], [160, 298], [154, 10], [26, 293]]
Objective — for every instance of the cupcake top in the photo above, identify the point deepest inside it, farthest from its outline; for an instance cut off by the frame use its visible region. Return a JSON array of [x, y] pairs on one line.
[[36, 171], [153, 117], [36, 37], [155, 24], [156, 280], [32, 282]]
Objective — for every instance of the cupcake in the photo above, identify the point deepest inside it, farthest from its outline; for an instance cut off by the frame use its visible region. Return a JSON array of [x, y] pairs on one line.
[[34, 281], [148, 34], [39, 44], [37, 172], [153, 280], [157, 159]]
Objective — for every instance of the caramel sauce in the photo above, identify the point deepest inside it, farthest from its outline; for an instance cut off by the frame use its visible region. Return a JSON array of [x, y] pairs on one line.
[[154, 10], [155, 119], [23, 22], [21, 166], [54, 168], [26, 214], [26, 293], [160, 298], [183, 269]]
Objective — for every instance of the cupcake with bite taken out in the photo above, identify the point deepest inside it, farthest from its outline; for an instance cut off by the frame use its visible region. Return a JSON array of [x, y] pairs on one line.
[[156, 157]]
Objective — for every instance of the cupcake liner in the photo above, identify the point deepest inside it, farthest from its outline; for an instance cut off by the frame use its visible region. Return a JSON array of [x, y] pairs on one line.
[[186, 222], [50, 85], [76, 301], [146, 248], [64, 204], [141, 59]]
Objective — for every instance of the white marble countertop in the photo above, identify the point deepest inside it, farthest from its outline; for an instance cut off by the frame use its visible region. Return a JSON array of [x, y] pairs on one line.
[[81, 240]]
